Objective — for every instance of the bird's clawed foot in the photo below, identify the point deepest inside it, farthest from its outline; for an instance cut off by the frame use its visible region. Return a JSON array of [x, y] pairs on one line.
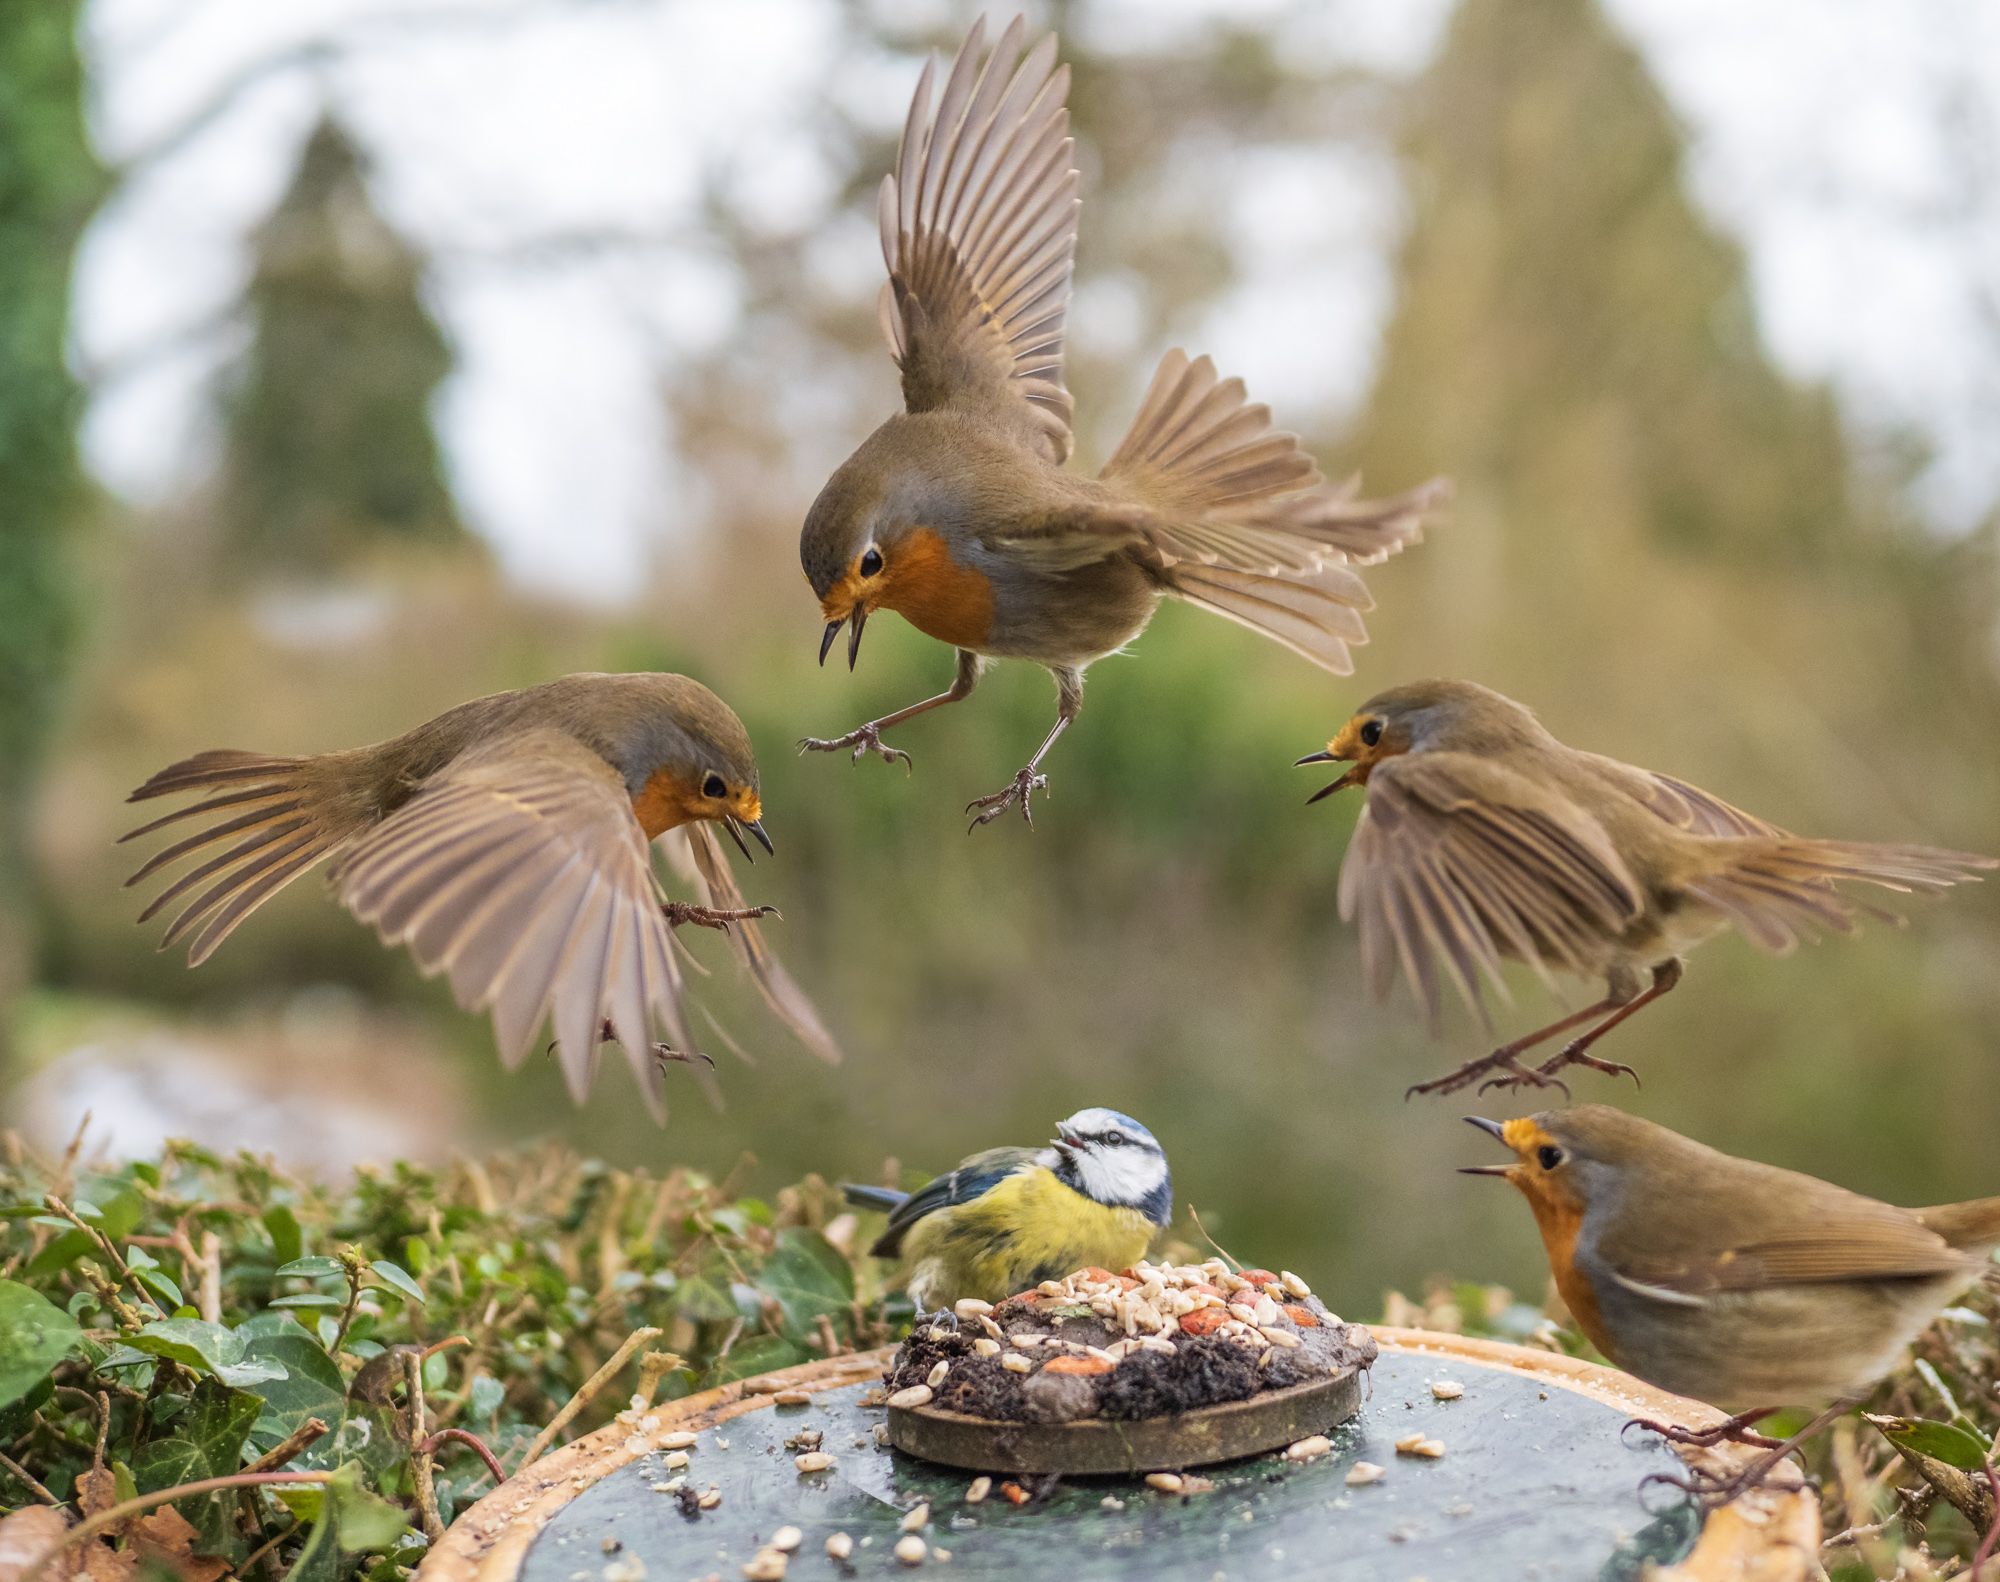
[[1507, 1062], [1573, 1055], [1709, 1491], [986, 809], [679, 913], [864, 739], [1731, 1430], [663, 1054]]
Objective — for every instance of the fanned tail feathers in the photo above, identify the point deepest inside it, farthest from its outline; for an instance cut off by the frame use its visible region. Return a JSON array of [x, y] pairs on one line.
[[1251, 529], [274, 814], [1780, 890]]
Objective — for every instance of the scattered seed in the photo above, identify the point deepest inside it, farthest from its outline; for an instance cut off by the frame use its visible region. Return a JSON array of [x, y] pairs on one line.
[[971, 1307], [675, 1460], [787, 1539], [710, 1498], [911, 1550], [610, 1546], [766, 1565], [1364, 1472], [1014, 1362], [1430, 1449], [679, 1439], [793, 1398], [1447, 1389], [1279, 1337], [627, 1568], [1407, 1445], [1294, 1284], [1307, 1449], [940, 1553], [986, 1346], [806, 1439], [1166, 1482], [939, 1371], [916, 1517], [977, 1490], [881, 1434], [1014, 1494], [915, 1395], [813, 1461], [839, 1545]]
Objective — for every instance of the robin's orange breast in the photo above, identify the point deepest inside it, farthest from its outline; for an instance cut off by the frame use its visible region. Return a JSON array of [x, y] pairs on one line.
[[941, 598], [1560, 1224], [665, 800]]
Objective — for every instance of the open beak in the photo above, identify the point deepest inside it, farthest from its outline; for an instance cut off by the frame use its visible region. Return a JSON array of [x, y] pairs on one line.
[[855, 621], [826, 639], [755, 826], [1498, 1132], [1352, 777]]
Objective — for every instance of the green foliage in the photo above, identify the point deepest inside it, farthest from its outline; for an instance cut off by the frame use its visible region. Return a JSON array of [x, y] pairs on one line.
[[329, 441], [507, 1285]]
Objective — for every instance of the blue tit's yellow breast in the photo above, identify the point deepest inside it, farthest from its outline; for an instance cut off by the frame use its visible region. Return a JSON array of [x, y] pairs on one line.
[[1027, 1229]]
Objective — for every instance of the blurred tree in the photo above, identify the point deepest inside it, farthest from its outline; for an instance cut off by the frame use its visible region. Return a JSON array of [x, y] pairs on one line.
[[49, 184], [1562, 297], [329, 447]]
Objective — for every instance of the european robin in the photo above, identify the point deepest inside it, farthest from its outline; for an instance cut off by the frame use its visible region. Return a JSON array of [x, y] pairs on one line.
[[1740, 1284], [505, 843], [1487, 840], [957, 512], [1009, 1218]]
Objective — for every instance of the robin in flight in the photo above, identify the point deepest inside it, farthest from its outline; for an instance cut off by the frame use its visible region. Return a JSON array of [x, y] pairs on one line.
[[506, 844], [1740, 1284], [1487, 840], [1009, 1218], [958, 514]]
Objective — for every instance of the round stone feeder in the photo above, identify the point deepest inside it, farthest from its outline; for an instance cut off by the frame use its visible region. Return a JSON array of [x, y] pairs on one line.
[[1535, 1481], [1225, 1432]]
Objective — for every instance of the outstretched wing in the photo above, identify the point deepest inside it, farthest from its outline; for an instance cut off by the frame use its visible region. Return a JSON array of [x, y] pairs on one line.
[[979, 233], [1686, 807], [1457, 864], [974, 1178], [520, 871], [778, 987]]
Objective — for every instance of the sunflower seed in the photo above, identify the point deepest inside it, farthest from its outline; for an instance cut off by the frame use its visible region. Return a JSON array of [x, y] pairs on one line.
[[680, 1439], [915, 1517], [792, 1398], [787, 1539], [977, 1490], [1407, 1445], [766, 1565], [839, 1545], [915, 1395], [986, 1346], [971, 1307], [1447, 1389], [675, 1460], [813, 1461], [939, 1371], [1295, 1286], [1165, 1482], [710, 1498], [1013, 1362], [911, 1550], [1364, 1472], [1279, 1337], [1307, 1449]]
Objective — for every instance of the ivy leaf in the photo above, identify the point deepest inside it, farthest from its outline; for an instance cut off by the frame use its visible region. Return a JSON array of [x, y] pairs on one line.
[[205, 1348], [759, 1354], [808, 1278], [1946, 1442], [287, 1240], [312, 1386], [362, 1520], [35, 1335], [206, 1442], [394, 1276]]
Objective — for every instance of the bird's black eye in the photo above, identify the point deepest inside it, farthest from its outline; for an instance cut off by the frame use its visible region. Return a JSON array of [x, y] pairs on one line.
[[1548, 1156], [713, 786], [871, 563], [1371, 733]]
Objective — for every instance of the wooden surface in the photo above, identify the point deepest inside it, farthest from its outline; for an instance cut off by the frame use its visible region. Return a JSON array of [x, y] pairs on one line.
[[1772, 1536]]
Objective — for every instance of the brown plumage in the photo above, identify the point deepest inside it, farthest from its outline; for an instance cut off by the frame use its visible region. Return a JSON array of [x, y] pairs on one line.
[[1740, 1284], [957, 512], [1487, 840], [506, 843]]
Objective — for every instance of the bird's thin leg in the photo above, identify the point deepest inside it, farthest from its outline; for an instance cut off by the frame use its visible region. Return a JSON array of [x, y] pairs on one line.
[[1665, 976], [1737, 1430], [607, 1034], [681, 913], [1507, 1058], [1712, 1491], [985, 809], [868, 738]]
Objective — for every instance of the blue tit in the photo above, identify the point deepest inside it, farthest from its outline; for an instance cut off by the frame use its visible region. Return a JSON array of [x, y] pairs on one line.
[[1009, 1218]]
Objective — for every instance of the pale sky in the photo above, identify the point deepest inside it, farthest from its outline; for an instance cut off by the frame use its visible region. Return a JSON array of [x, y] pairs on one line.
[[1848, 144]]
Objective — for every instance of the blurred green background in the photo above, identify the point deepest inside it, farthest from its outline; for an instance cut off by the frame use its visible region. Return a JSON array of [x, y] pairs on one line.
[[1680, 553]]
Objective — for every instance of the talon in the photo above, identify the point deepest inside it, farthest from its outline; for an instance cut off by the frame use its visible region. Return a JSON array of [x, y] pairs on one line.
[[1573, 1055], [666, 1054], [863, 739], [681, 913], [988, 808]]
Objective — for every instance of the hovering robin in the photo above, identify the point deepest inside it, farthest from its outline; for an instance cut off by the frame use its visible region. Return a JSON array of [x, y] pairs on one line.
[[505, 843], [957, 513], [1740, 1284], [1485, 839], [1010, 1218]]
